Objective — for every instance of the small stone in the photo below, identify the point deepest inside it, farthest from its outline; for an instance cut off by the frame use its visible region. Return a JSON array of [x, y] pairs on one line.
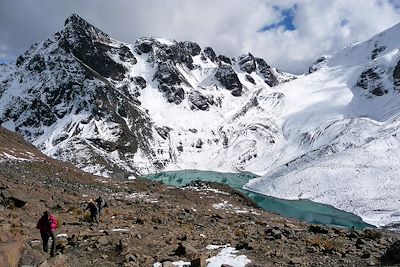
[[317, 229], [312, 249], [199, 262], [296, 261], [360, 243], [103, 241], [365, 255], [129, 257]]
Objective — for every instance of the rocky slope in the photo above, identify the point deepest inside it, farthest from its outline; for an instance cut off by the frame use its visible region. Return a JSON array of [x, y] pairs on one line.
[[150, 224], [121, 109]]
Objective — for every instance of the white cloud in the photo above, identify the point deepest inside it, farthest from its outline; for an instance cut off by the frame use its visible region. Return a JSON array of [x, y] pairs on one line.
[[230, 27]]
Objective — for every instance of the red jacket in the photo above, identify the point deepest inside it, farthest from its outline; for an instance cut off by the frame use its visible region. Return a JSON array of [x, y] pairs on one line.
[[47, 225]]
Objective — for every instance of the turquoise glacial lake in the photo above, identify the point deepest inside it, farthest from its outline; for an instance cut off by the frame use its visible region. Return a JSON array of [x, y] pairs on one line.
[[304, 210]]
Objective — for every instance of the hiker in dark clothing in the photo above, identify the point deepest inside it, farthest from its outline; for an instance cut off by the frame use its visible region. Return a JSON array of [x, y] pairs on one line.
[[47, 225], [94, 212], [101, 204]]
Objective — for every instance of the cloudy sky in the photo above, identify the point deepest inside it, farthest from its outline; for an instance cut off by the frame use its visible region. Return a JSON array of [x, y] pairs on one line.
[[289, 34]]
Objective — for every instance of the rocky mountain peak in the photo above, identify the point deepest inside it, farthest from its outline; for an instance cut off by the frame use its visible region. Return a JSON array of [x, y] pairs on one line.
[[81, 88], [76, 23], [75, 19]]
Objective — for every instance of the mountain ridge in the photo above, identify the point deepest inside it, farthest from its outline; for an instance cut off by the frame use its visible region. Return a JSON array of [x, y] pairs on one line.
[[117, 109], [81, 63]]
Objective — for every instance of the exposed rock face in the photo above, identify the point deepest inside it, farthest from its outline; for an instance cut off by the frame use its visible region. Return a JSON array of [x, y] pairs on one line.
[[316, 64], [396, 76], [266, 72], [377, 50], [229, 79], [224, 59], [144, 45], [208, 52], [247, 63], [169, 80], [164, 52], [78, 60], [199, 101], [371, 80], [190, 47], [93, 47], [392, 254]]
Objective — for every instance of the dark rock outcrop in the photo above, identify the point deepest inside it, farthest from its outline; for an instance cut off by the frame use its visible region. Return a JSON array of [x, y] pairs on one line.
[[266, 72], [168, 82], [377, 50], [229, 79], [199, 101], [225, 59], [247, 63], [396, 76], [316, 65], [92, 46], [371, 80], [208, 52], [392, 254], [250, 79], [143, 45]]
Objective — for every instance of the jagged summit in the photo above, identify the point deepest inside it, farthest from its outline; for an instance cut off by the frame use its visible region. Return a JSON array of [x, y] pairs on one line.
[[115, 108], [76, 19], [120, 109], [81, 29]]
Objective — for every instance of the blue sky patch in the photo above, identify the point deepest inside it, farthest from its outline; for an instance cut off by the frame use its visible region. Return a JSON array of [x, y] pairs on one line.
[[287, 15], [344, 22]]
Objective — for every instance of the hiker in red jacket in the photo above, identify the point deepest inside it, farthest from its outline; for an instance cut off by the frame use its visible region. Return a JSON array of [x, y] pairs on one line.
[[47, 225]]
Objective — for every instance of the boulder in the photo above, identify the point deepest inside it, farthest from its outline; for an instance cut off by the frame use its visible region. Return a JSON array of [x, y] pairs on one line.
[[10, 250], [186, 250], [57, 261], [392, 254], [199, 262], [318, 229]]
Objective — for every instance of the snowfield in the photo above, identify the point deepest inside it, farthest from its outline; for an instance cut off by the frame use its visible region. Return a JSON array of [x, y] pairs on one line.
[[341, 142]]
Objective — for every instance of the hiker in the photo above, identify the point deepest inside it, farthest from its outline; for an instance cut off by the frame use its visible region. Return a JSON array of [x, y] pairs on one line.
[[101, 204], [47, 225], [94, 212]]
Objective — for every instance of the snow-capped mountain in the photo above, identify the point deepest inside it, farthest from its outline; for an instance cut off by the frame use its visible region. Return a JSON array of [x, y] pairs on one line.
[[120, 109], [115, 108], [341, 132]]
